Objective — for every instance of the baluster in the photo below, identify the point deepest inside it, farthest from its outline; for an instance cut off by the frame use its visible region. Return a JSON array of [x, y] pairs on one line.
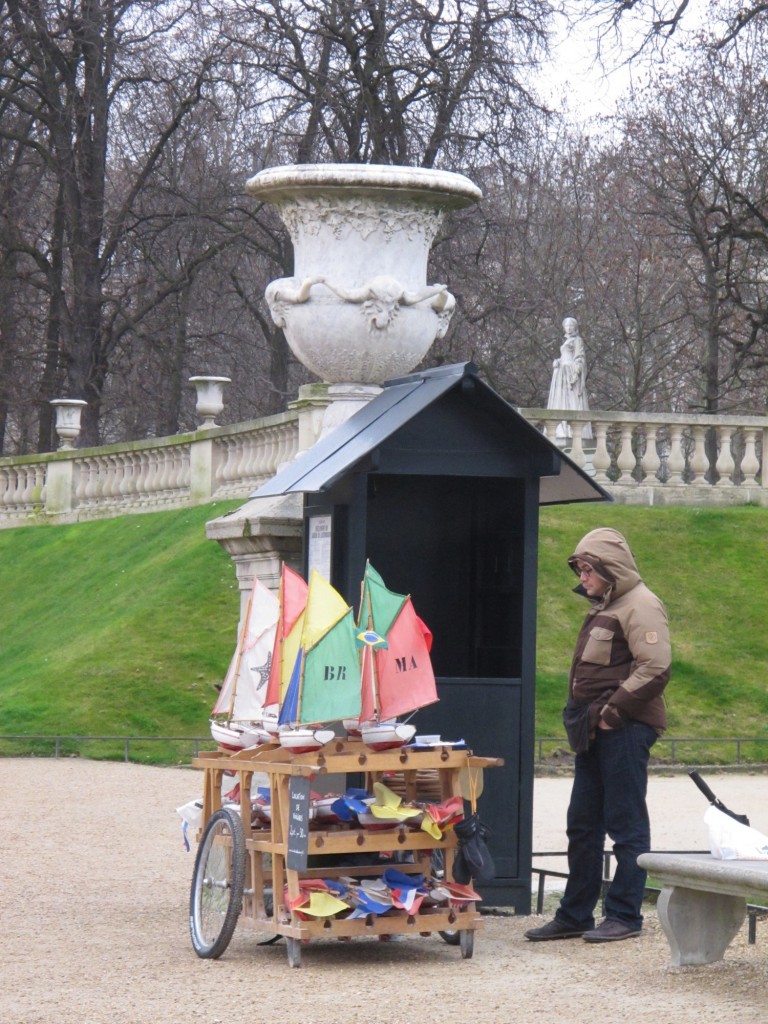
[[25, 490], [651, 463], [246, 469], [174, 472], [185, 469], [38, 487], [163, 482], [725, 465], [177, 472], [699, 462], [577, 447], [91, 483], [44, 487], [278, 452], [115, 477], [252, 450], [125, 477], [79, 481], [5, 488], [625, 457], [140, 479], [266, 450], [152, 479], [676, 460], [220, 458], [601, 460], [232, 468], [289, 444], [750, 464], [17, 490]]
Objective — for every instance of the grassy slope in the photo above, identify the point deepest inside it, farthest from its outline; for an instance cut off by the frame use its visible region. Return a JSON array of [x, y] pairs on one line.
[[116, 627], [123, 627]]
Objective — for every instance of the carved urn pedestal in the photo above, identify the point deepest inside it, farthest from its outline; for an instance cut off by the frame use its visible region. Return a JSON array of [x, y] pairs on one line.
[[358, 309]]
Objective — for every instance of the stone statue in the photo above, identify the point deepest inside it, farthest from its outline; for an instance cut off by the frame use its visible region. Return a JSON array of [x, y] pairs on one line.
[[568, 387]]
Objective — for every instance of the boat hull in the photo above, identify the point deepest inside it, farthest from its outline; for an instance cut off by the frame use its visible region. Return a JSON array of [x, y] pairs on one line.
[[385, 735]]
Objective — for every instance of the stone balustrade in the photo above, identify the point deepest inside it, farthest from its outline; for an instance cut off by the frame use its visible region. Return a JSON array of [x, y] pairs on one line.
[[691, 460], [142, 476], [665, 458]]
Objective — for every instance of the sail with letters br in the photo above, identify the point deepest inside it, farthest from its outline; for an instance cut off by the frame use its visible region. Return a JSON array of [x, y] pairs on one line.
[[292, 599], [396, 669], [325, 682], [236, 719]]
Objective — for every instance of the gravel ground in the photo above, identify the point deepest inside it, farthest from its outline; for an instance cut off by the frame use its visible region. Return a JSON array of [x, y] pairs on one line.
[[94, 884]]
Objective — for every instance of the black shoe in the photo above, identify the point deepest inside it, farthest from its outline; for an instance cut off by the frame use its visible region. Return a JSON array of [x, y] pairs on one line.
[[611, 931], [554, 930]]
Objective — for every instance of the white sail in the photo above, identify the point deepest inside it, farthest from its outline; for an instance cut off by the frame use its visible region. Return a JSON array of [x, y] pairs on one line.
[[242, 694]]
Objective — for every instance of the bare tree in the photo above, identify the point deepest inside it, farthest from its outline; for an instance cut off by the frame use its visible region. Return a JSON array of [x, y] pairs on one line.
[[654, 22], [695, 153], [391, 81], [70, 68]]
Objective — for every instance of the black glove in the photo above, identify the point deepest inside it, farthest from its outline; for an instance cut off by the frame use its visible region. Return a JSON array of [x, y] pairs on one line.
[[473, 858]]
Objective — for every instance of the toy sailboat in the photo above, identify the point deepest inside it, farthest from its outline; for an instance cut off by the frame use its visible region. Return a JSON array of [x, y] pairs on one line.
[[396, 670], [236, 719], [324, 685], [292, 602]]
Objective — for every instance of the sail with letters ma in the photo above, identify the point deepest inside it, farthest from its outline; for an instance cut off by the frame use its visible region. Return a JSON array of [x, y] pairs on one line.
[[325, 681], [396, 670], [236, 719]]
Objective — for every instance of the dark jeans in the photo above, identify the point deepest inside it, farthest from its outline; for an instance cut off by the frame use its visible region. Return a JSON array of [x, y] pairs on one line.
[[608, 797]]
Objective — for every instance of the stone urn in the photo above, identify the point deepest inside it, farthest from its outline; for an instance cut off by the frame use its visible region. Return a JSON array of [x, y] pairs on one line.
[[358, 308], [68, 414], [210, 398]]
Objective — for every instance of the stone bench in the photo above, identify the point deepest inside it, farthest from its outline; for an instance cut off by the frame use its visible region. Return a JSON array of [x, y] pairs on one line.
[[703, 902]]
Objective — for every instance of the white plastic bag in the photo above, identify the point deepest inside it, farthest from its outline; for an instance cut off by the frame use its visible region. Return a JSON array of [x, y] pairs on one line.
[[730, 840], [191, 813]]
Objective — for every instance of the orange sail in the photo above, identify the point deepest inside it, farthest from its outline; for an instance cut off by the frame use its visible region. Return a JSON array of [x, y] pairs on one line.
[[404, 675], [293, 601]]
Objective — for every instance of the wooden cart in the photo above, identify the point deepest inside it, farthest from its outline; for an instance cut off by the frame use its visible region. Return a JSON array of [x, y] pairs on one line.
[[246, 869]]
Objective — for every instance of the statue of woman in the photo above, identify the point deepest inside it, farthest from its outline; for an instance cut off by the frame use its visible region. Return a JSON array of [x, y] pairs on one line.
[[568, 387]]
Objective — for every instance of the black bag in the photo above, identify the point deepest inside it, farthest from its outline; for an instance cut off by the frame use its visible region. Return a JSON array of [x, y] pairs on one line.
[[576, 722], [473, 858]]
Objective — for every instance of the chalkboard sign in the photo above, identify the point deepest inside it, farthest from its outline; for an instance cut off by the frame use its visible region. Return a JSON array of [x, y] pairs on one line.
[[298, 823]]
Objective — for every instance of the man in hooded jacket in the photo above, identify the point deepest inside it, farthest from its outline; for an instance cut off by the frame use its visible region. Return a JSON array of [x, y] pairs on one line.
[[615, 713]]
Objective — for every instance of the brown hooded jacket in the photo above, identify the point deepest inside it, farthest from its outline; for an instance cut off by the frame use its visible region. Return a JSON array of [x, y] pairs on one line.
[[622, 659]]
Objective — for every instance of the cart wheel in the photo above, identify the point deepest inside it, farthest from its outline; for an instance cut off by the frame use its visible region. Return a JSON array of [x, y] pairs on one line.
[[216, 898], [467, 943], [293, 948], [452, 938]]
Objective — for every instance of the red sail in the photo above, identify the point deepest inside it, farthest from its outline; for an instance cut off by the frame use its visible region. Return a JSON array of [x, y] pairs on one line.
[[405, 679]]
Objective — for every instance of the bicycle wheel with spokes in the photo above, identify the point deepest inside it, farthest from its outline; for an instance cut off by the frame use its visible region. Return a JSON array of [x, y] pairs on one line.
[[216, 898]]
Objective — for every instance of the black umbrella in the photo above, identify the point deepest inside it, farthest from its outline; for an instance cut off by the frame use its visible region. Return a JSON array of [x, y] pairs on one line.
[[713, 799]]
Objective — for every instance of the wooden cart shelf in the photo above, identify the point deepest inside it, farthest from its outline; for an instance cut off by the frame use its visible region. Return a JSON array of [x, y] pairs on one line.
[[270, 886]]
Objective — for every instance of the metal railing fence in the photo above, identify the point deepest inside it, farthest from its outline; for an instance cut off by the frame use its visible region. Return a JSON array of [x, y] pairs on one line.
[[678, 749], [711, 750]]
